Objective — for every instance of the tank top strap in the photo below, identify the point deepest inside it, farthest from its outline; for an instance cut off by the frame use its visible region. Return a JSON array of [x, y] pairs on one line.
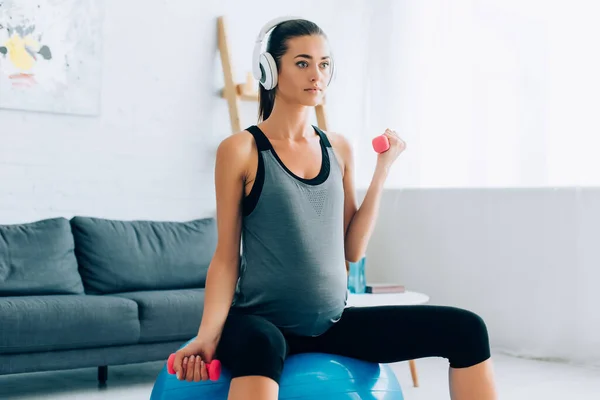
[[323, 136], [262, 142]]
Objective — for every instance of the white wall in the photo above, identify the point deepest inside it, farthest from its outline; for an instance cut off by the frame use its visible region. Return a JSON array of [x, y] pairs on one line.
[[525, 259], [487, 93]]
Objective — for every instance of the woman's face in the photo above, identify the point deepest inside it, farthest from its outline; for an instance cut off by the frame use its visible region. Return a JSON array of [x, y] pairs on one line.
[[305, 70]]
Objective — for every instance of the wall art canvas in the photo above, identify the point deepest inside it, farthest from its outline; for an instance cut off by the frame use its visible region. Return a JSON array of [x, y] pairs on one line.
[[50, 55]]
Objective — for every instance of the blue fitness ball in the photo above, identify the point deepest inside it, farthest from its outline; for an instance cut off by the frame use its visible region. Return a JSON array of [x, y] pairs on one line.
[[306, 376]]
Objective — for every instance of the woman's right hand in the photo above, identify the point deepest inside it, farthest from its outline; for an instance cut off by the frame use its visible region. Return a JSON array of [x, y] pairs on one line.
[[189, 362]]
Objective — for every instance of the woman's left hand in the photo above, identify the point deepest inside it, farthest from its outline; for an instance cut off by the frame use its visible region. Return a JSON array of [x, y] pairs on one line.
[[397, 146]]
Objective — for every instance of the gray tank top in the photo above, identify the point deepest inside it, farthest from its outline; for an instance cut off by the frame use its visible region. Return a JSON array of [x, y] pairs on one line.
[[292, 269]]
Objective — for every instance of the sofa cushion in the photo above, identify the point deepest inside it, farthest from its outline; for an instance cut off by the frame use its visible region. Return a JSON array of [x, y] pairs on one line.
[[123, 256], [37, 258], [46, 323], [169, 314]]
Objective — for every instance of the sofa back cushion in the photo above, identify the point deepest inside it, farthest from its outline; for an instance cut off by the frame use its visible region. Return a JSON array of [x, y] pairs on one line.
[[121, 256], [37, 258]]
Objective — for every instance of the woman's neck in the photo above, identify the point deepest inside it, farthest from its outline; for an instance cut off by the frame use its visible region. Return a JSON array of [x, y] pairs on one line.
[[289, 122]]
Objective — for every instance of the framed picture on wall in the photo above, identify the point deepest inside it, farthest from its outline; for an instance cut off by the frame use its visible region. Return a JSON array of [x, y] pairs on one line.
[[50, 55]]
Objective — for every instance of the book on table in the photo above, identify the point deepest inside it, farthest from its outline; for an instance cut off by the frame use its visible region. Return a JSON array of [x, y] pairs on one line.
[[385, 288]]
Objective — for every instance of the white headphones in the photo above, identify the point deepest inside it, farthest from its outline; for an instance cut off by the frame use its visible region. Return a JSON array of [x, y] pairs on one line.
[[264, 67]]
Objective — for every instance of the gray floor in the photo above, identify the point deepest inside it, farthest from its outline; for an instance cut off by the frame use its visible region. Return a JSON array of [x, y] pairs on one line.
[[518, 379]]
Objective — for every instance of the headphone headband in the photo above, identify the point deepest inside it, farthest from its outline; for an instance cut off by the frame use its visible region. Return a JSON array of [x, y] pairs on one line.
[[258, 45]]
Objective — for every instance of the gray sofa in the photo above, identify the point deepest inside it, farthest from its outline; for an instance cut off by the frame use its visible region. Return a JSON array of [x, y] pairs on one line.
[[86, 292]]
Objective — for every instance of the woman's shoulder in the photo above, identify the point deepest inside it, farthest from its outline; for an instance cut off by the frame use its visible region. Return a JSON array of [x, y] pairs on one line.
[[238, 144], [237, 152], [337, 138]]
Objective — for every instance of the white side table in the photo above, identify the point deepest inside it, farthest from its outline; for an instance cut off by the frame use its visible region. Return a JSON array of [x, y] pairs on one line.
[[384, 299]]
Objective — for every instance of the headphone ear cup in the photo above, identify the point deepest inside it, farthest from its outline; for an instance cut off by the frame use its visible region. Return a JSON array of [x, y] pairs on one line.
[[331, 71], [268, 69]]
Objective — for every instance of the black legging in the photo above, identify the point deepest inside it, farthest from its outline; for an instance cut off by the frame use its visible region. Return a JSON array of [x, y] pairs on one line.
[[251, 345]]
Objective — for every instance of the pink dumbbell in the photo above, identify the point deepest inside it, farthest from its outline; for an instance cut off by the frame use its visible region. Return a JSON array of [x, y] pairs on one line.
[[213, 368], [381, 144]]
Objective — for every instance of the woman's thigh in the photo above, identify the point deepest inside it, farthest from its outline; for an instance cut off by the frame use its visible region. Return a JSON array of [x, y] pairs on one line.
[[387, 334], [251, 345]]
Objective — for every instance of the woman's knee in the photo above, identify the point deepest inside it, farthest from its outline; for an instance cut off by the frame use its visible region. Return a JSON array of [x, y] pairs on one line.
[[470, 344], [258, 349]]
